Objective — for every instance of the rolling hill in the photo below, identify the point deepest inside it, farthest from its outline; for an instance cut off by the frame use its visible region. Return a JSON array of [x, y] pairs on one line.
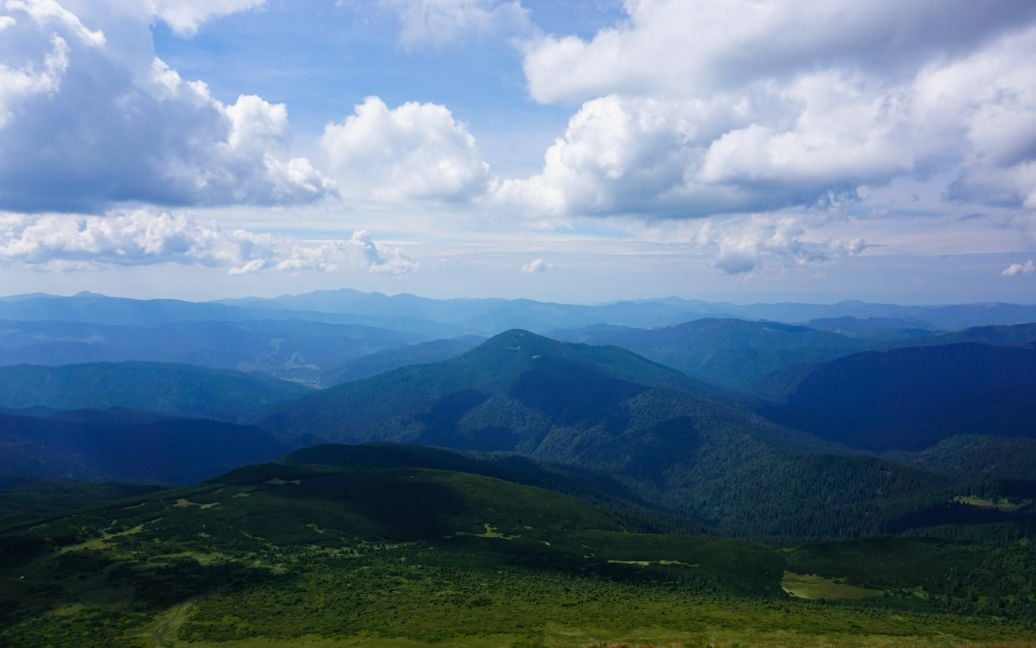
[[382, 554]]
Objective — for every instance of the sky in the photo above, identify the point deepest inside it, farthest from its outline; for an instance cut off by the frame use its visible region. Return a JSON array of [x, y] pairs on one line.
[[582, 151]]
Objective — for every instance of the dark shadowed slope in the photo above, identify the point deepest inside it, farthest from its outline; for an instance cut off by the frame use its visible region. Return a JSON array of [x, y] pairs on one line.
[[908, 399], [975, 456], [32, 502], [98, 447]]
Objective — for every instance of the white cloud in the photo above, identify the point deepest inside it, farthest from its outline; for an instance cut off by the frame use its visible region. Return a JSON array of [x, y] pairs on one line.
[[357, 251], [743, 245], [90, 117], [417, 151], [692, 158], [1016, 269], [145, 237], [681, 48], [49, 13], [19, 84], [185, 16], [715, 108], [7, 21], [437, 23], [536, 266]]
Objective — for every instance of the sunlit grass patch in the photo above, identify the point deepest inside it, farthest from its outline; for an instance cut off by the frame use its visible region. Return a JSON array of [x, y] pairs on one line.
[[811, 586], [1003, 504]]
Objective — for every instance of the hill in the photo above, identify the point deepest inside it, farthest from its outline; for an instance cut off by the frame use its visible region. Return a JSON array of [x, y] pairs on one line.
[[975, 456], [510, 392], [180, 390], [911, 398]]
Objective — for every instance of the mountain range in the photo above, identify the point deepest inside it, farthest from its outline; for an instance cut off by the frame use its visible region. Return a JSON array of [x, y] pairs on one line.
[[361, 467]]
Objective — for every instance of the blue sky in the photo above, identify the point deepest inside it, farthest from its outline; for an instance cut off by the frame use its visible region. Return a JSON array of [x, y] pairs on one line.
[[579, 151]]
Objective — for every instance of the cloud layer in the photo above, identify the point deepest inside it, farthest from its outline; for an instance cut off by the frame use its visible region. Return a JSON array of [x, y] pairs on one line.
[[145, 237]]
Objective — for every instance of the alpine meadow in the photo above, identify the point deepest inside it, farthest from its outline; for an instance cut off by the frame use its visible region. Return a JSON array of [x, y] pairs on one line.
[[517, 323]]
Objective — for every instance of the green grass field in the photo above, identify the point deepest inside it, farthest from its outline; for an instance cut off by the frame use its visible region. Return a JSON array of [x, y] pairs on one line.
[[301, 555]]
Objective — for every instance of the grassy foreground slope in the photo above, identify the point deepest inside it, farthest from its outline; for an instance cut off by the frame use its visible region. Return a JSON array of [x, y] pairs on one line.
[[399, 556]]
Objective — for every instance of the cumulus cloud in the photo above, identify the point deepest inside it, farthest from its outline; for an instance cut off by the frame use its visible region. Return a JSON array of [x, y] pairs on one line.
[[437, 23], [695, 47], [89, 116], [1016, 269], [417, 151], [745, 244], [690, 158], [146, 237], [536, 266], [693, 109]]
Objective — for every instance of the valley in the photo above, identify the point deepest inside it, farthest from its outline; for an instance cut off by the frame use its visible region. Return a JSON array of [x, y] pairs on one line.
[[515, 489]]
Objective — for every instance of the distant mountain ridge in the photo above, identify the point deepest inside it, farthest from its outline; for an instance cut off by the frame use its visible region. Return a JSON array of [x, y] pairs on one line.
[[543, 316], [292, 349], [451, 317]]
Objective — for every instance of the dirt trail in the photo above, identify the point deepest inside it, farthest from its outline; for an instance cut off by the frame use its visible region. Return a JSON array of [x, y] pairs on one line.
[[162, 632]]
